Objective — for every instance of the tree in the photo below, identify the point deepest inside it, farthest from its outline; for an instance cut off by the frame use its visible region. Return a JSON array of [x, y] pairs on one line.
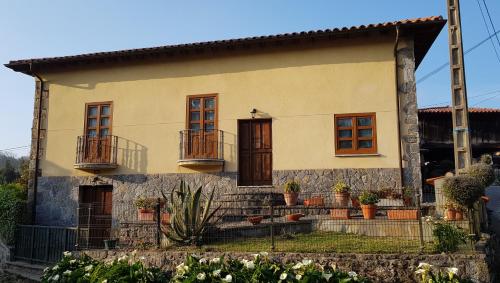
[[8, 174]]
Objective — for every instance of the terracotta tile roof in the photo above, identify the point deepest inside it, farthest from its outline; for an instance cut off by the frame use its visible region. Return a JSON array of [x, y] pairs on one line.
[[447, 109], [425, 31]]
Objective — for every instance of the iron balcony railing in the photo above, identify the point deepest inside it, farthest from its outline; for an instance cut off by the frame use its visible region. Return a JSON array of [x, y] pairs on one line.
[[96, 150], [201, 144]]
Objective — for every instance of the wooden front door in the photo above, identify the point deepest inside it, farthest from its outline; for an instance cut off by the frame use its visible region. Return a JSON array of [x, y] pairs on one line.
[[95, 210], [97, 148], [255, 159]]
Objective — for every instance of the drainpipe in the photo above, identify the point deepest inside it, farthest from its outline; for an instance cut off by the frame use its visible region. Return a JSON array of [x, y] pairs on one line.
[[396, 42], [37, 151]]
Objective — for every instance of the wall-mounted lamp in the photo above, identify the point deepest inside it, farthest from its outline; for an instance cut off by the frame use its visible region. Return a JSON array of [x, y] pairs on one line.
[[253, 112]]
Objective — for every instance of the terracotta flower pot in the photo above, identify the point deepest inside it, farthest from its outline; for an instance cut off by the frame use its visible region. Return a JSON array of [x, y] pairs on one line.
[[165, 218], [315, 201], [342, 199], [340, 213], [459, 215], [451, 214], [144, 214], [402, 214], [291, 198], [255, 219], [294, 217], [369, 211]]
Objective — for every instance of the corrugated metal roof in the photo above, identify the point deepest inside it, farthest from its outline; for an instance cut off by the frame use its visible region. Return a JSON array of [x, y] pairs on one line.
[[447, 109], [434, 25]]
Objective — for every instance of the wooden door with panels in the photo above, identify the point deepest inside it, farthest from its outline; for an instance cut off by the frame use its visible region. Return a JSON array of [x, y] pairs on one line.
[[98, 119], [201, 137], [95, 213], [255, 150]]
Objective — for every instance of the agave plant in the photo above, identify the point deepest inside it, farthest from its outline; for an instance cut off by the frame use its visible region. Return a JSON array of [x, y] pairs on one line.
[[189, 218]]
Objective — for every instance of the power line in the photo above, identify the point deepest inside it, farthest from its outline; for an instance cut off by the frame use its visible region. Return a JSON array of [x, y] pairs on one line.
[[489, 98], [491, 22], [474, 96], [430, 74], [488, 29]]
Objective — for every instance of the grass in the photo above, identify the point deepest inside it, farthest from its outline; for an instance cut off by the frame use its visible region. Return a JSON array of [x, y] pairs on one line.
[[320, 242]]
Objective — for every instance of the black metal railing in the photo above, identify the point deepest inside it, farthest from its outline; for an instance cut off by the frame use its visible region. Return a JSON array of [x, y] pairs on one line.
[[43, 244], [201, 144], [96, 149]]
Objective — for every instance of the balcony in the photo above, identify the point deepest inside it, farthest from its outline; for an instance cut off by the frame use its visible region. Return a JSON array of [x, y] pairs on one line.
[[201, 148], [96, 152]]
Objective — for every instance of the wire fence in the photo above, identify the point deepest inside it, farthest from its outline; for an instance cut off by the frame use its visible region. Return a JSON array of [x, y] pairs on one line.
[[314, 223]]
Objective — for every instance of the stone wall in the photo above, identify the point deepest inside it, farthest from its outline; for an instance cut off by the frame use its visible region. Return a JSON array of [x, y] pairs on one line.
[[380, 267], [408, 114], [57, 198]]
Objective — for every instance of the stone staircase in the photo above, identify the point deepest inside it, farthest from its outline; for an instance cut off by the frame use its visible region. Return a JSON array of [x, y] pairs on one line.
[[249, 201], [30, 272]]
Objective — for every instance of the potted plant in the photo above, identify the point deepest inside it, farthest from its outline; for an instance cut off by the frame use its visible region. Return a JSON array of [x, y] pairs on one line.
[[451, 212], [145, 209], [341, 190], [291, 194], [368, 200], [314, 201], [110, 244]]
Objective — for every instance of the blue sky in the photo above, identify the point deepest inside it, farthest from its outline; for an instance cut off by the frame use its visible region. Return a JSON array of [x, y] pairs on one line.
[[31, 29]]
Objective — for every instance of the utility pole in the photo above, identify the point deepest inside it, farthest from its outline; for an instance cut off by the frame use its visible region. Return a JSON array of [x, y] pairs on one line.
[[460, 111]]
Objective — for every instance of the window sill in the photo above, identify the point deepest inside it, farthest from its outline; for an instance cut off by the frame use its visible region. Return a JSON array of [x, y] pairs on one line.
[[357, 154]]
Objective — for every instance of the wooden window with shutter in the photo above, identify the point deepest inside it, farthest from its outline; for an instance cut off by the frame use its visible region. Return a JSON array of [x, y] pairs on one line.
[[355, 133]]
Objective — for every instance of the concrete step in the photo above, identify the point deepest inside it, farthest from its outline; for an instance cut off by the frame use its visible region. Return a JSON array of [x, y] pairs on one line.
[[26, 270]]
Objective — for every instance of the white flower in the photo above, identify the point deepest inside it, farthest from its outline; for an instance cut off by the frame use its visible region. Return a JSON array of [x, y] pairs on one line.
[[264, 254], [123, 258], [72, 261], [134, 252], [66, 254], [307, 261], [283, 276], [424, 265], [216, 273], [352, 274], [255, 255], [452, 270], [142, 258], [201, 276], [87, 274], [67, 272], [298, 266], [249, 265], [89, 267], [419, 271], [215, 260], [105, 281], [182, 269], [298, 276], [228, 278], [334, 266], [203, 260], [56, 277], [56, 267], [327, 276], [45, 269]]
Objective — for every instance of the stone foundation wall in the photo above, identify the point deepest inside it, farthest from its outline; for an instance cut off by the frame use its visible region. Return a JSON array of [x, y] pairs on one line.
[[57, 198], [379, 268]]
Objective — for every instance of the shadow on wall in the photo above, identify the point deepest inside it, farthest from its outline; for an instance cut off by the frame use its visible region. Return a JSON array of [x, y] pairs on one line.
[[132, 157], [350, 51]]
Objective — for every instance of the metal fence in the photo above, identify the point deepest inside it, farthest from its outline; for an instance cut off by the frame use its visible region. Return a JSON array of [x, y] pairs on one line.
[[43, 244]]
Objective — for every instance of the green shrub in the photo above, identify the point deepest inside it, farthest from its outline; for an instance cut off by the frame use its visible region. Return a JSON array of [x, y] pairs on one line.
[[87, 270], [12, 207], [483, 173], [292, 187], [463, 190], [486, 159], [368, 197], [447, 237], [145, 203]]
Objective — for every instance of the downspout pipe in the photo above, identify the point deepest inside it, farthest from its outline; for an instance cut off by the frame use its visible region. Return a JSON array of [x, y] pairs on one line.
[[37, 150], [396, 43]]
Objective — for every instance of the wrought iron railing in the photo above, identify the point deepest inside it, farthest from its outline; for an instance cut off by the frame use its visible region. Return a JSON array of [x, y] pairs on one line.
[[201, 144], [96, 149]]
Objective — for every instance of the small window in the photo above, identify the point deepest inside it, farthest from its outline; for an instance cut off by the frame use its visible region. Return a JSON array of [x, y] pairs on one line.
[[98, 121], [202, 112], [355, 134]]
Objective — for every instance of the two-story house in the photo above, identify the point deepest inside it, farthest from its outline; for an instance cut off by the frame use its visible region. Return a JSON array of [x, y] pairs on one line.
[[239, 115]]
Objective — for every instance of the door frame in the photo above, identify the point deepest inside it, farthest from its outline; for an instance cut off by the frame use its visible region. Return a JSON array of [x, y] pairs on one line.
[[238, 150]]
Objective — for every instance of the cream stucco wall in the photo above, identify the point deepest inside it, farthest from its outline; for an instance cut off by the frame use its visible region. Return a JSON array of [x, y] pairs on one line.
[[300, 90]]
